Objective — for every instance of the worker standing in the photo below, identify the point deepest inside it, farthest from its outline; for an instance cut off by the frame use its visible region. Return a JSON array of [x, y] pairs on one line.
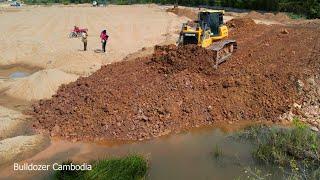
[[104, 37], [84, 39]]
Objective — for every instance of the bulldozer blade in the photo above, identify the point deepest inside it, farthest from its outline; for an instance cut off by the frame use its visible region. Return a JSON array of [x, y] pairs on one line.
[[224, 50]]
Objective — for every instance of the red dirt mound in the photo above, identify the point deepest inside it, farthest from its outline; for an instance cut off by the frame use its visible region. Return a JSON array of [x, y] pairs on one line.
[[184, 12], [171, 59], [176, 88], [241, 23]]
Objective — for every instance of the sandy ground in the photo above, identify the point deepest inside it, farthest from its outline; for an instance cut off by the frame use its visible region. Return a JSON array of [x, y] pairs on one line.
[[12, 123], [38, 37]]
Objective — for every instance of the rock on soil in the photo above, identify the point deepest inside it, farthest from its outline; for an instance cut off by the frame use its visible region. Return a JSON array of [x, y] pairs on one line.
[[309, 110], [176, 88]]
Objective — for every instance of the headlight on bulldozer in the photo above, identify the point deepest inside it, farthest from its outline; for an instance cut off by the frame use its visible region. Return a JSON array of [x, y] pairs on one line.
[[190, 34]]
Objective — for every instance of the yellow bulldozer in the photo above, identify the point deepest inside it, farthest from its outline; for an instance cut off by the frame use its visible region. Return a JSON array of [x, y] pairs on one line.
[[209, 31]]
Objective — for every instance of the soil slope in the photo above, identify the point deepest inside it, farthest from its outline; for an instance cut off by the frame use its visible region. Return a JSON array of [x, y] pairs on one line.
[[176, 88]]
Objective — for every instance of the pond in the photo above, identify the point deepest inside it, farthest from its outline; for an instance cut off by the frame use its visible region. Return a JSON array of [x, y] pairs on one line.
[[188, 155]]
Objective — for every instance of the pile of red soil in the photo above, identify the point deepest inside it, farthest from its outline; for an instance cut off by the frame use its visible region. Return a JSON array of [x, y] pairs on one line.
[[176, 88], [184, 12], [241, 23]]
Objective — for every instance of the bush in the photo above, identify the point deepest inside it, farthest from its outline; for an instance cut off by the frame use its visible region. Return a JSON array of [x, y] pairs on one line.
[[296, 16], [294, 149], [281, 146], [128, 168]]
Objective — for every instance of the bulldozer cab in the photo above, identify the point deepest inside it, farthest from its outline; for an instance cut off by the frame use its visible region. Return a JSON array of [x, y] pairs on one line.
[[211, 20]]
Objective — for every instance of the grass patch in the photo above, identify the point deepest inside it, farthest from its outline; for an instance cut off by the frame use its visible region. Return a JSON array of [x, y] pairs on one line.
[[295, 150], [132, 167], [296, 16]]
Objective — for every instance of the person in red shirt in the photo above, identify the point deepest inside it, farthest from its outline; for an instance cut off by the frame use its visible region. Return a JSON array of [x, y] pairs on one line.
[[104, 37], [76, 29]]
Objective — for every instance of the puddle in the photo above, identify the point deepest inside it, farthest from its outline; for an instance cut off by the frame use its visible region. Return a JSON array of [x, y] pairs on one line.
[[16, 71], [18, 74], [187, 155]]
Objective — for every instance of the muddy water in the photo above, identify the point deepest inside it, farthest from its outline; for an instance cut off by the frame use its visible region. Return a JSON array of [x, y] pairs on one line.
[[187, 155]]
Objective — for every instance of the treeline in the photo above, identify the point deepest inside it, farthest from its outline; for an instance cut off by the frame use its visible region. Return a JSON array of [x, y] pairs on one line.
[[309, 8], [57, 1]]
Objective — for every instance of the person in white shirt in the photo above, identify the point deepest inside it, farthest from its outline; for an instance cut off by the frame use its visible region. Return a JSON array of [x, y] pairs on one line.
[[84, 39]]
